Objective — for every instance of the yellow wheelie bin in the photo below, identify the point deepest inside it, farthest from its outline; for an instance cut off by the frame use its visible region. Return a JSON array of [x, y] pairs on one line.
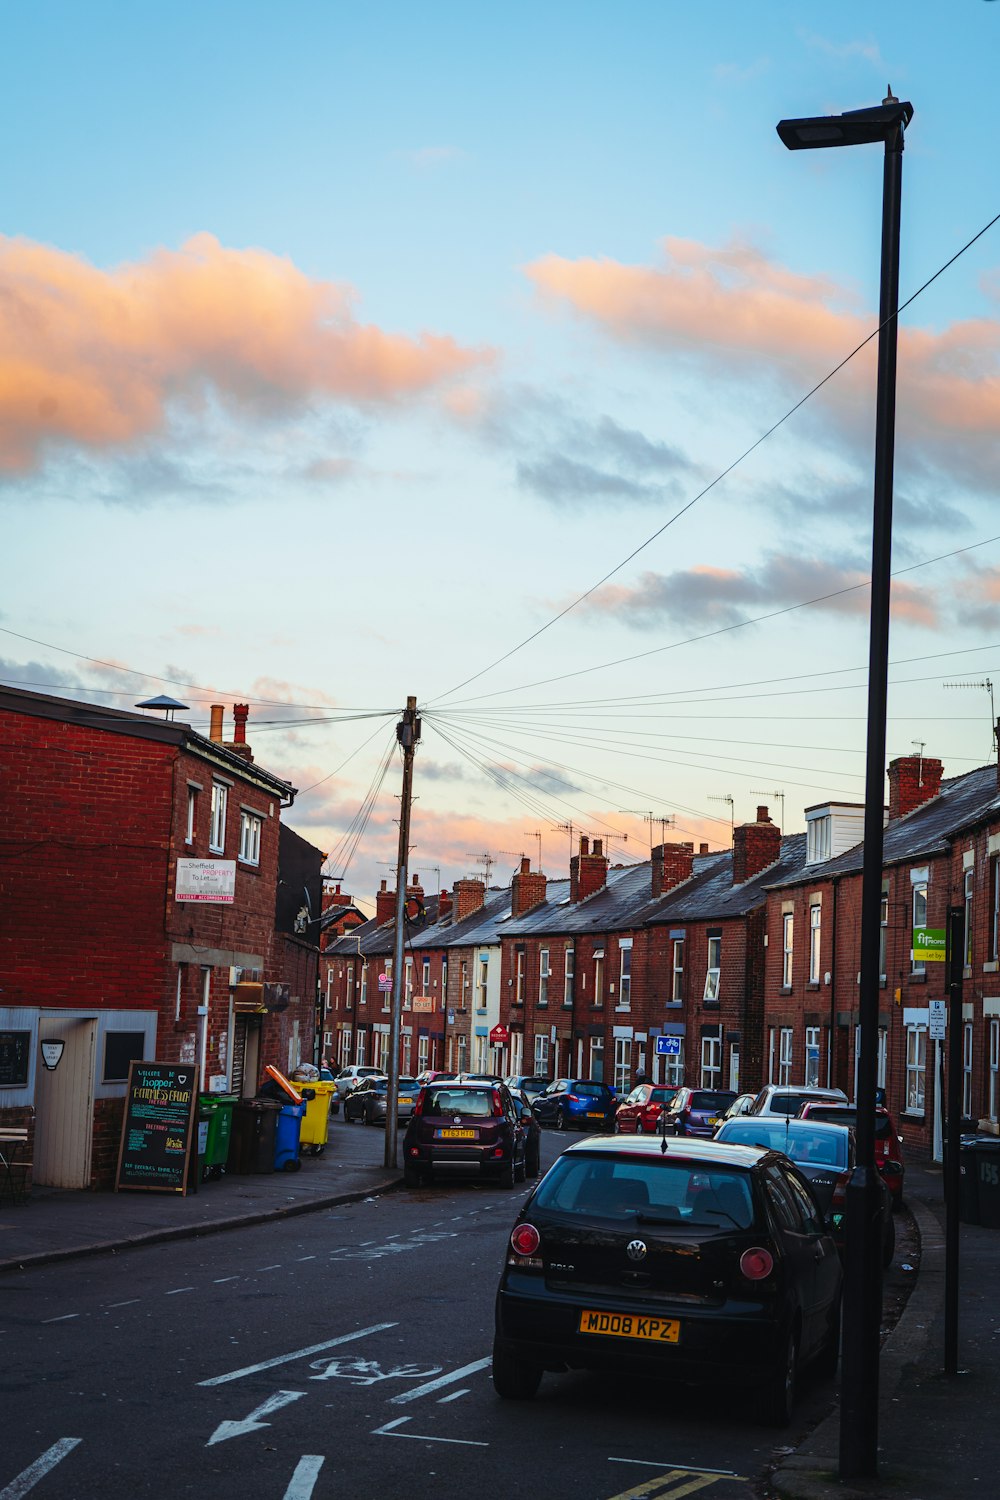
[[316, 1120]]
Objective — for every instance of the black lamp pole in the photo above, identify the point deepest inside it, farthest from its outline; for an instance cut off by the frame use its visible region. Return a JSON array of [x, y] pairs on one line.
[[863, 1278]]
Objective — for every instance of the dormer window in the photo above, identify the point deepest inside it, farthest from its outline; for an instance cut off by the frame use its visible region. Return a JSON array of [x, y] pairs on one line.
[[818, 842]]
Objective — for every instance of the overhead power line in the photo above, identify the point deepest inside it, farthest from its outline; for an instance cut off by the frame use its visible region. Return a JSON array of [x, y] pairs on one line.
[[724, 473]]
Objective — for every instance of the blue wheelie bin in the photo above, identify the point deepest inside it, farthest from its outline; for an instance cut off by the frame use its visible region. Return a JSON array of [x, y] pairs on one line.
[[286, 1139]]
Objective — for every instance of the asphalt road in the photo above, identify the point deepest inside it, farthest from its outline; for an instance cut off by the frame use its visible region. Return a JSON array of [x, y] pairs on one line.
[[342, 1354]]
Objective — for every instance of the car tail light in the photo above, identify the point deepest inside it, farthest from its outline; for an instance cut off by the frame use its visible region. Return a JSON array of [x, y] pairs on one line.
[[839, 1200], [497, 1105], [756, 1264], [573, 1098], [418, 1107], [525, 1239]]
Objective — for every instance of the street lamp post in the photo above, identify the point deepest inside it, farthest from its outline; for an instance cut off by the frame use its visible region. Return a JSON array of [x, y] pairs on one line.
[[863, 1277]]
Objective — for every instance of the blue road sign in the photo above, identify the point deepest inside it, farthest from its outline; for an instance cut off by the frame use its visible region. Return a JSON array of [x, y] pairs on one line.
[[668, 1046]]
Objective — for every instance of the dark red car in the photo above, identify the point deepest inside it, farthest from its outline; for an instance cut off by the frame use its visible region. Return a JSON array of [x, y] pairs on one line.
[[888, 1146], [639, 1112]]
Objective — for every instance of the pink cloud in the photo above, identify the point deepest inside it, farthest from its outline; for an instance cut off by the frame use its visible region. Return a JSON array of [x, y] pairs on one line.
[[734, 305], [93, 356]]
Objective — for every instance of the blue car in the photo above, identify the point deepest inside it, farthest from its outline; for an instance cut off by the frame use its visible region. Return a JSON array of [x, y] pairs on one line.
[[576, 1104]]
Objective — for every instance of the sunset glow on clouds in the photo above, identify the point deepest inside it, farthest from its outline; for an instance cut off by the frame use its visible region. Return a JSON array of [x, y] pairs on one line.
[[94, 357]]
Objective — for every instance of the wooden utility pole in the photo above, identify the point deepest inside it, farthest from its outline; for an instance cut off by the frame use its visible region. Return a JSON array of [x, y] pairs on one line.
[[407, 733]]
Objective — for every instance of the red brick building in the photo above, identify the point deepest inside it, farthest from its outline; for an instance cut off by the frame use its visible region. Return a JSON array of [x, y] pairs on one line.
[[138, 880]]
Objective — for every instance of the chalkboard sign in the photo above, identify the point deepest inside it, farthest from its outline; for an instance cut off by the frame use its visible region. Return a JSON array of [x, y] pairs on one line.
[[157, 1131], [15, 1047]]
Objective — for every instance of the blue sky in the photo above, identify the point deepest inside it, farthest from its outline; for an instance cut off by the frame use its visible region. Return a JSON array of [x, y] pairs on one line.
[[342, 347]]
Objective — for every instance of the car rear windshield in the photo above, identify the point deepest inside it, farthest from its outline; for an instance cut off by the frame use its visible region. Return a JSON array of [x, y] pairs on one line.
[[452, 1101], [788, 1104], [845, 1116], [701, 1099], [590, 1090], [807, 1147], [657, 1189], [661, 1096]]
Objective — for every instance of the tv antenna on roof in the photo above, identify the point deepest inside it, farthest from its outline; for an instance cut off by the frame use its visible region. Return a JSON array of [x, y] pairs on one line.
[[665, 821], [728, 798], [759, 791], [987, 686]]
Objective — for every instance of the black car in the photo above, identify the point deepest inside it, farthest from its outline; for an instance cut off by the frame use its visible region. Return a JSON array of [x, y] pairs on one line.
[[580, 1103], [473, 1126], [683, 1264], [369, 1101], [522, 1103], [826, 1155]]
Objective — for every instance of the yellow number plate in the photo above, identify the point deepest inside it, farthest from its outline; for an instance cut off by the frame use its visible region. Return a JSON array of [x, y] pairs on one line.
[[631, 1326], [456, 1135]]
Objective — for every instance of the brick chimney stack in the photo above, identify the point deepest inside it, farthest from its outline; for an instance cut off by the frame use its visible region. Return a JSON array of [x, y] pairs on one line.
[[241, 712], [702, 848], [468, 897], [588, 872], [913, 780], [444, 906], [755, 846], [672, 863], [385, 904], [333, 896], [527, 889]]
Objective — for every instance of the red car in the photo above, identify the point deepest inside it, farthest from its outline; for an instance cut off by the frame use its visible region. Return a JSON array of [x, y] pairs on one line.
[[639, 1112], [888, 1146]]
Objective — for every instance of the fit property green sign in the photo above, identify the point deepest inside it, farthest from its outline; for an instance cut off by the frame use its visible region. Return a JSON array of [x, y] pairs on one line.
[[928, 945]]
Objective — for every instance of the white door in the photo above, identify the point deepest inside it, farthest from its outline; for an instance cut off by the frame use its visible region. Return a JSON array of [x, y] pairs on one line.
[[64, 1105]]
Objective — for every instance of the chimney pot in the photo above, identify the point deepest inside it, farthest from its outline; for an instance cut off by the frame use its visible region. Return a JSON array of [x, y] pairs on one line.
[[585, 844], [762, 816], [215, 714], [598, 847]]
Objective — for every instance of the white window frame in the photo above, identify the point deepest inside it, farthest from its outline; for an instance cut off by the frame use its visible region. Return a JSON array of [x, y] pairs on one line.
[[192, 813], [787, 948], [815, 941], [217, 826], [251, 825], [423, 1053], [544, 974], [569, 969], [541, 1054], [425, 976], [734, 1067], [463, 1052], [919, 910], [482, 987], [359, 1049], [364, 982], [519, 977], [714, 971], [408, 984], [994, 871], [623, 1064], [820, 831], [596, 1058], [711, 1062], [786, 1054], [916, 1069], [770, 1054], [967, 1069], [970, 886], [810, 1075], [677, 972], [387, 994], [598, 1000], [883, 936], [673, 1072], [625, 974]]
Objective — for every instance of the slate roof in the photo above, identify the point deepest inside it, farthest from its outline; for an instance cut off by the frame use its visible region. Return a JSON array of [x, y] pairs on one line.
[[606, 909], [710, 893], [372, 939], [479, 928], [962, 802]]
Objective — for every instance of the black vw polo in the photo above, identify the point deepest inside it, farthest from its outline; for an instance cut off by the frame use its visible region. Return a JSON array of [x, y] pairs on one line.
[[682, 1263]]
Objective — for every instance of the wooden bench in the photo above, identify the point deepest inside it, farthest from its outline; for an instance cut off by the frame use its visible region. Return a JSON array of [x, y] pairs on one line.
[[14, 1163]]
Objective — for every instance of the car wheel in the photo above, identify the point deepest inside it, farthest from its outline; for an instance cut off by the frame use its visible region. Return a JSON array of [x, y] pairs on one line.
[[348, 1117], [533, 1165], [827, 1359], [514, 1379], [561, 1119], [777, 1394], [889, 1244], [616, 1129]]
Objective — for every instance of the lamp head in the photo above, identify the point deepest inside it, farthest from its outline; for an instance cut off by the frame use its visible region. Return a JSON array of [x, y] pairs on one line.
[[856, 127]]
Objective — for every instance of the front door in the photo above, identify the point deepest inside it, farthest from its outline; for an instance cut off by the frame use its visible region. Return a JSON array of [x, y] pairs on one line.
[[64, 1105]]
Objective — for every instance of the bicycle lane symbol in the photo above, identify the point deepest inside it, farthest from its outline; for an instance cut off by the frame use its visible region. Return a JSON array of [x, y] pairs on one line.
[[366, 1372]]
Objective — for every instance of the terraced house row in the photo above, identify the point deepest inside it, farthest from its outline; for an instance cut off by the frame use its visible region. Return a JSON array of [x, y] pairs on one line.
[[747, 958]]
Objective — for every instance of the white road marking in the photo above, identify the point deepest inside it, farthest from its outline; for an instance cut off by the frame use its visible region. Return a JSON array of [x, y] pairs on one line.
[[220, 1279], [388, 1431], [30, 1476], [177, 1291], [307, 1257], [305, 1476], [453, 1397], [130, 1303], [284, 1359], [253, 1422], [652, 1463], [64, 1319], [269, 1268], [436, 1385]]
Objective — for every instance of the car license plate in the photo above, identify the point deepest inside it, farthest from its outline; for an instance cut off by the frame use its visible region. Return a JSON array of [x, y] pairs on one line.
[[595, 1114], [455, 1135], [712, 1120], [631, 1326]]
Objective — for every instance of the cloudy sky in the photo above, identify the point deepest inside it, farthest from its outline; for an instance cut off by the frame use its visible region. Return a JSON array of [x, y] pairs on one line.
[[349, 351]]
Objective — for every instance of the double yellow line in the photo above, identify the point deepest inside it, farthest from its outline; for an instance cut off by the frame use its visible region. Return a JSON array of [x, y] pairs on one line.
[[665, 1486]]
